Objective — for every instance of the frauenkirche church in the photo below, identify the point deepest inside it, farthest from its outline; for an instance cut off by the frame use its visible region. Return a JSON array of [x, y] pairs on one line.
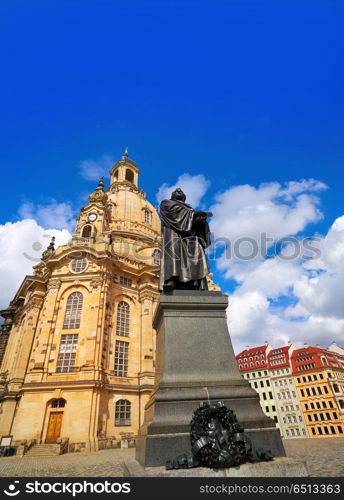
[[77, 344]]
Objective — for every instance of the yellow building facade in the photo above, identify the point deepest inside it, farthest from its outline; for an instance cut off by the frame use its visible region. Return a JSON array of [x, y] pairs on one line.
[[77, 344], [315, 371]]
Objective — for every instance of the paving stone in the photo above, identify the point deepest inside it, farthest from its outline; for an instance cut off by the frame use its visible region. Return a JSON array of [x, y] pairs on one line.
[[324, 457]]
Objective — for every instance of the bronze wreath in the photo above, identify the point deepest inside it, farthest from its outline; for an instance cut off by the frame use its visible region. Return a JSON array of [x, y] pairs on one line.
[[217, 439]]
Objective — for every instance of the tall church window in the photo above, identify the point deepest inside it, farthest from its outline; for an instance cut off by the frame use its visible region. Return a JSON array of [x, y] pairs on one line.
[[67, 353], [73, 311], [86, 231], [123, 412], [109, 208], [121, 358], [157, 257], [147, 216], [123, 317]]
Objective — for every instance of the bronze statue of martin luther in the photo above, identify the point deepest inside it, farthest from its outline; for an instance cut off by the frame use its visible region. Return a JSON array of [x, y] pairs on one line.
[[186, 235]]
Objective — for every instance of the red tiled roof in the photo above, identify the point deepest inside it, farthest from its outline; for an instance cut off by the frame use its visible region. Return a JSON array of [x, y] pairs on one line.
[[251, 351]]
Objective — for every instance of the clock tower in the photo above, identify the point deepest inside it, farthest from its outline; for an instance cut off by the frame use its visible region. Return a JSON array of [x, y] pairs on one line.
[[94, 219]]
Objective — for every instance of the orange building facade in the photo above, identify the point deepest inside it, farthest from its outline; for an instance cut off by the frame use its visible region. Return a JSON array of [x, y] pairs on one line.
[[302, 389]]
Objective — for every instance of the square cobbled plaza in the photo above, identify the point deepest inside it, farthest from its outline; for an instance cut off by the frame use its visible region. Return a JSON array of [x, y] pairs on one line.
[[324, 458]]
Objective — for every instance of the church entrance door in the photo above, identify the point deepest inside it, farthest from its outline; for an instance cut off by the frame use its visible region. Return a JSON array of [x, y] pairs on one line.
[[54, 426]]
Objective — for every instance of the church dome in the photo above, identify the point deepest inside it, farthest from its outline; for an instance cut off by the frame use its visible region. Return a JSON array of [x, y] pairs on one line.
[[132, 216]]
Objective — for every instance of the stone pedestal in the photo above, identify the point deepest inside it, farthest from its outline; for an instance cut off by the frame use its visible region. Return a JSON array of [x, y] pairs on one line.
[[195, 362]]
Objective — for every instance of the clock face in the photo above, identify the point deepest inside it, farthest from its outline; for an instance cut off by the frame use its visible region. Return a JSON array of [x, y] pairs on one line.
[[92, 217]]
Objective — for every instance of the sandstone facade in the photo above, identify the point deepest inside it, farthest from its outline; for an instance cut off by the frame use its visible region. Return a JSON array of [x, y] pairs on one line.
[[77, 345]]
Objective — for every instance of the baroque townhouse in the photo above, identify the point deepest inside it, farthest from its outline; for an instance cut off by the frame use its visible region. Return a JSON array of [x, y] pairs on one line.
[[316, 373], [253, 365], [301, 389]]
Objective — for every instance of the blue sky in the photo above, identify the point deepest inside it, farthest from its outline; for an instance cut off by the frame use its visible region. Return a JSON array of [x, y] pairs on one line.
[[240, 91]]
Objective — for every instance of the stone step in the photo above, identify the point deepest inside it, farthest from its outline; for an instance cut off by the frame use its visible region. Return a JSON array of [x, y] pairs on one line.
[[47, 447], [40, 450], [46, 454], [31, 455]]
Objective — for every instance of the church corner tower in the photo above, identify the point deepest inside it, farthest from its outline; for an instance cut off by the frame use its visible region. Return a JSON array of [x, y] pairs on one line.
[[77, 345]]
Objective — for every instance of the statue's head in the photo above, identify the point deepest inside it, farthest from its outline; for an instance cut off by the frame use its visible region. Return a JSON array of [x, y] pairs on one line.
[[178, 195]]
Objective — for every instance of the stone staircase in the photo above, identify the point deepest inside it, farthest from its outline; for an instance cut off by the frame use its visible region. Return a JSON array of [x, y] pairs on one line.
[[44, 450]]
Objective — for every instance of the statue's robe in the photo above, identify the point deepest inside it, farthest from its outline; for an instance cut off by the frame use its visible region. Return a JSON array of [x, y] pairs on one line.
[[186, 235]]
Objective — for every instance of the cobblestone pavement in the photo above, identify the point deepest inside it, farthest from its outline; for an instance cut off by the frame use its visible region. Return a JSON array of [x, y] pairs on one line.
[[102, 463], [324, 457]]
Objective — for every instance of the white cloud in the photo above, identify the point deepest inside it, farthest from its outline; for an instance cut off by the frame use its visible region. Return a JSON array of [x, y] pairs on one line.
[[309, 297], [92, 170], [278, 211], [194, 187], [295, 187], [21, 246], [276, 299], [52, 215]]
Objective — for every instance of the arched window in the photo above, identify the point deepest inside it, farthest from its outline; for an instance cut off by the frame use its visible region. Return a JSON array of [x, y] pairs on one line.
[[86, 231], [109, 208], [156, 257], [58, 403], [123, 317], [122, 412], [73, 311], [129, 175]]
